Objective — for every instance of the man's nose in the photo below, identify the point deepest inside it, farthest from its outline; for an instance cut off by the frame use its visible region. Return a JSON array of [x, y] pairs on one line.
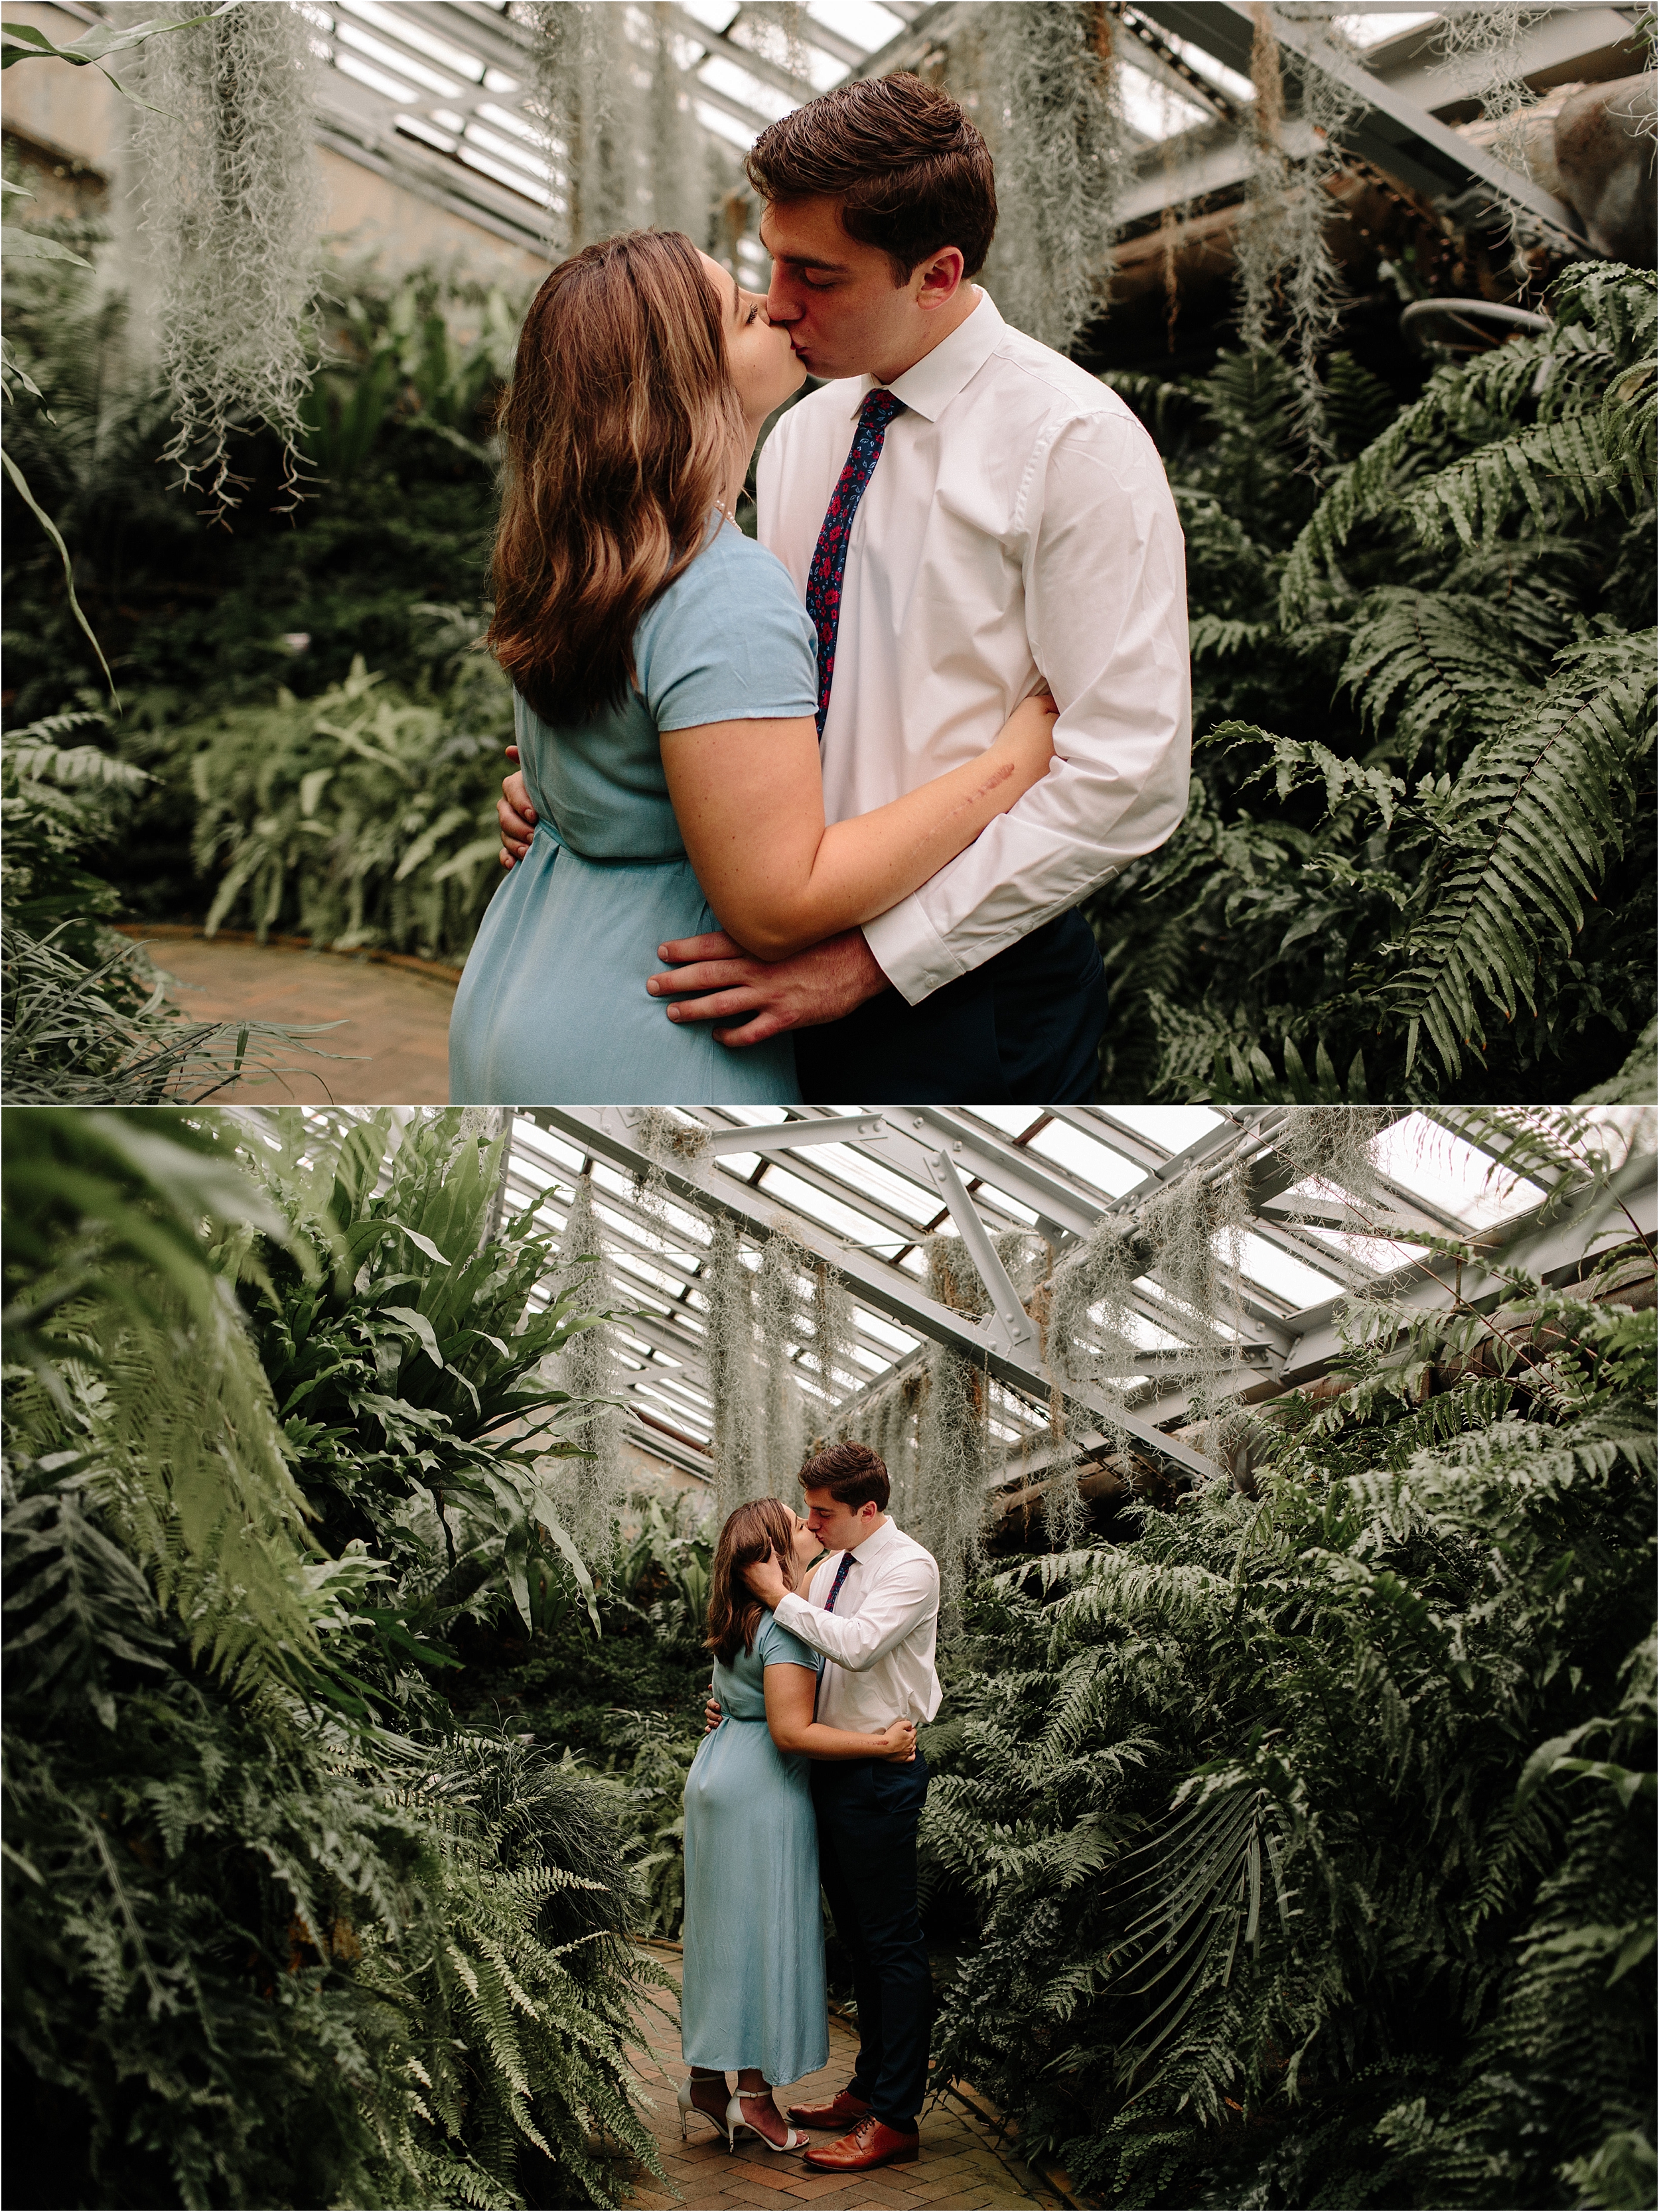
[[779, 308]]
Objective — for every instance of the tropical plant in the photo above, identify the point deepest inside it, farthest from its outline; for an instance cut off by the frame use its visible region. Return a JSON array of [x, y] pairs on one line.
[[365, 817], [410, 1382], [398, 513], [1300, 1847], [1449, 889], [264, 1952], [83, 1014]]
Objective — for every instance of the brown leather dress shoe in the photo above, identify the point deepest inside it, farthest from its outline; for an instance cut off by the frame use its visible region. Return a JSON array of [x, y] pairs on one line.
[[873, 2142], [842, 2110]]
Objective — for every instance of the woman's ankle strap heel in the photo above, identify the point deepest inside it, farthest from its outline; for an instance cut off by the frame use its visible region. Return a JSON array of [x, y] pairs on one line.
[[794, 2139]]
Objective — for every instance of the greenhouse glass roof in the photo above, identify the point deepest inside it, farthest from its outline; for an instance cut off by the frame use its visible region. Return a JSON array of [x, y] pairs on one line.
[[864, 1189], [434, 91]]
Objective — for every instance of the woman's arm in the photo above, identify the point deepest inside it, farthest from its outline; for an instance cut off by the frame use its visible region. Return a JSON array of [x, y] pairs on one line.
[[749, 797], [790, 1694]]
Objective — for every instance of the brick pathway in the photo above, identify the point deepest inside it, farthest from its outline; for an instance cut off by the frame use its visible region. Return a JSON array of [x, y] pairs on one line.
[[393, 1046], [962, 2163]]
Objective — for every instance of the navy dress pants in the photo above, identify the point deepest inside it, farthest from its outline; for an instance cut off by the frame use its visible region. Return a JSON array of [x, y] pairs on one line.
[[1023, 1029], [867, 1811]]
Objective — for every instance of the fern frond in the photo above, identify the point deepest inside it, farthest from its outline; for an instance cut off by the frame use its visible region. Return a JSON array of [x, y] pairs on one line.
[[1436, 649], [1535, 818]]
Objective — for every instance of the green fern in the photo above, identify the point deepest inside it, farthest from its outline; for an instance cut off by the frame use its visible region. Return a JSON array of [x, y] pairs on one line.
[[1536, 815], [1371, 1929], [1593, 440]]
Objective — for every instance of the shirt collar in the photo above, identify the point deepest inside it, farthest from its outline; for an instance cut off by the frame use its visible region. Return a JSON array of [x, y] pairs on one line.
[[928, 388], [873, 1547]]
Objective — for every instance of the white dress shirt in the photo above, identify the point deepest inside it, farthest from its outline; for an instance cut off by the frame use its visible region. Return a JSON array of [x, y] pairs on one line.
[[880, 1639], [1019, 521]]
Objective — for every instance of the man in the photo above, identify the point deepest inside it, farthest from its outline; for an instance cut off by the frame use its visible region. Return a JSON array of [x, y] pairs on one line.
[[873, 1610], [965, 513]]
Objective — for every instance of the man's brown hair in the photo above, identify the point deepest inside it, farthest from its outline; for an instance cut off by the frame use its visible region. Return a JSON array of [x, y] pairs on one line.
[[852, 1474], [909, 170], [619, 427]]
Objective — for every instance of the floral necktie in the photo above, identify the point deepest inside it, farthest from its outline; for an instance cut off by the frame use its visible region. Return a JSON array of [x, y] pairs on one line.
[[829, 556], [840, 1576]]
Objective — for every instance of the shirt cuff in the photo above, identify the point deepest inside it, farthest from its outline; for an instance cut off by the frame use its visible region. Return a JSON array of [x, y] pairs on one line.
[[911, 952]]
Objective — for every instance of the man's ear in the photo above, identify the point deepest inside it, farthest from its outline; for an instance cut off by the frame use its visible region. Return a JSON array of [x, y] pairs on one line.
[[941, 276]]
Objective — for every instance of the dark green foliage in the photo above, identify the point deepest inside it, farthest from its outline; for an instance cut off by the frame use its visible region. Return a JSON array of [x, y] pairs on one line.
[[365, 817], [1419, 861], [401, 513], [631, 1705], [81, 1012], [261, 1951], [1309, 1841]]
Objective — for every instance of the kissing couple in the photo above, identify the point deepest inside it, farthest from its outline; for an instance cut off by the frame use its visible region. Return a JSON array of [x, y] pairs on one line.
[[892, 744], [811, 1776]]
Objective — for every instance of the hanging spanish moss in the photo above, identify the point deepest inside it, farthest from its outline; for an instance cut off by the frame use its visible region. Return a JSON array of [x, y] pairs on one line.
[[890, 1431], [667, 1142], [677, 165], [228, 192], [589, 1490], [582, 64], [830, 1344], [777, 1300], [1480, 49], [1188, 1237], [1041, 83], [1257, 243], [785, 20], [730, 1356], [1333, 1145], [1286, 273], [953, 1440]]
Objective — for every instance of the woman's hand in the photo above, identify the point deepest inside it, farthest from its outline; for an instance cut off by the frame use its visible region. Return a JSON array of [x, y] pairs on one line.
[[1027, 737], [898, 1742]]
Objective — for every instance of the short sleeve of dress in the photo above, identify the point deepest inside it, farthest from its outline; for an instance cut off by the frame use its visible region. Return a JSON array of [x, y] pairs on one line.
[[728, 641], [775, 1647]]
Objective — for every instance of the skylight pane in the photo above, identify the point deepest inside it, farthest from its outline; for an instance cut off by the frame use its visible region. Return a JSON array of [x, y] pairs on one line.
[[723, 125], [405, 24], [863, 21], [366, 72], [724, 76], [403, 62], [1091, 1158], [1286, 1278]]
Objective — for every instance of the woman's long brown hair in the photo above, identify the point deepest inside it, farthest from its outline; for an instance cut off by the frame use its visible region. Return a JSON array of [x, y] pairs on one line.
[[753, 1530], [619, 427]]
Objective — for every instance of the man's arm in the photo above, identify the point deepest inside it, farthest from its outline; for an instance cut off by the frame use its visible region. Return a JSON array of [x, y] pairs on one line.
[[1106, 614], [903, 1598]]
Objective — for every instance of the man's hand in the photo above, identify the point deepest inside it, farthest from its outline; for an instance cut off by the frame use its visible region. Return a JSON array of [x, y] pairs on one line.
[[712, 1715], [819, 985], [765, 1579], [515, 814]]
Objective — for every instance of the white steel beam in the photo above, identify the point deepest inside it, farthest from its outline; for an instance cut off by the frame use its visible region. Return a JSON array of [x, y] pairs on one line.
[[605, 1132], [1391, 130]]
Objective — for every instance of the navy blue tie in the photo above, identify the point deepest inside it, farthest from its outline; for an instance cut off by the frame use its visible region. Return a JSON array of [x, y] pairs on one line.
[[840, 1576], [823, 579]]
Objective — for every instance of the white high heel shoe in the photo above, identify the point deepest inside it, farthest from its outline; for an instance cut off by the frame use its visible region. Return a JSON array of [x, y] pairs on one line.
[[794, 2139], [684, 2099]]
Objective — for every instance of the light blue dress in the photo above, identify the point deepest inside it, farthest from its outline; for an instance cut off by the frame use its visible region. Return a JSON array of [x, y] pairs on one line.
[[552, 1009], [754, 1936]]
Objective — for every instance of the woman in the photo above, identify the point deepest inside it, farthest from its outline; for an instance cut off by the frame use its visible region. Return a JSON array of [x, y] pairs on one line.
[[753, 1997], [666, 688]]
